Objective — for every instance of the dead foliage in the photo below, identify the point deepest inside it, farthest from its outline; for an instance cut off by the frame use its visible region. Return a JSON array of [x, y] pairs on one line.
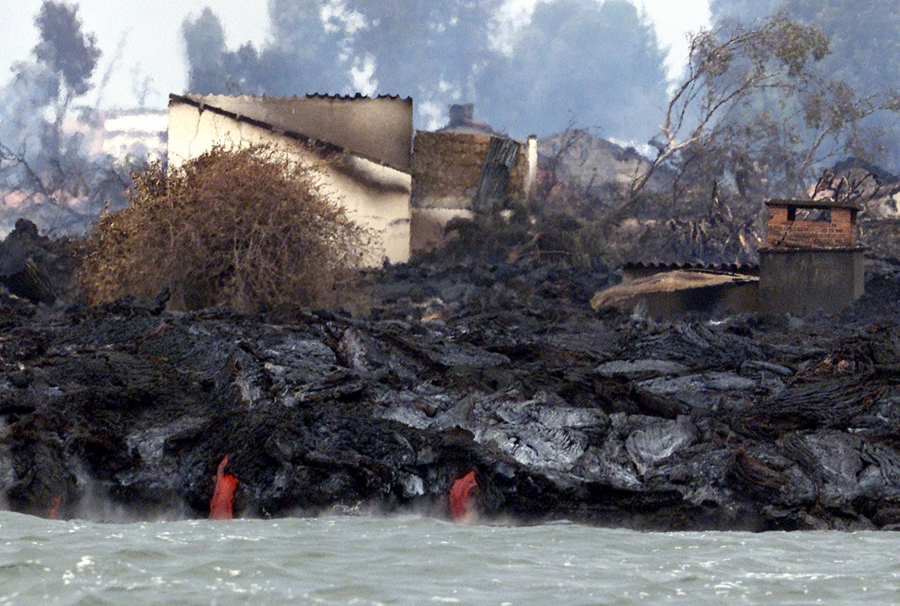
[[240, 227], [517, 236]]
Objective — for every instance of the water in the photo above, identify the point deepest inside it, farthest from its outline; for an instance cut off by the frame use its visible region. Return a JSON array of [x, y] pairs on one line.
[[412, 560]]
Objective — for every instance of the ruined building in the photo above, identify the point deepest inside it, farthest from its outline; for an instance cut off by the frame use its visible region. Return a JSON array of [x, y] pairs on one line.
[[462, 169], [406, 190], [361, 145], [811, 260]]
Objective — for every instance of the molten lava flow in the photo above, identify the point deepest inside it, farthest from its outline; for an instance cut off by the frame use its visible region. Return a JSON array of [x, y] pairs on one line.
[[226, 484], [54, 511], [460, 497]]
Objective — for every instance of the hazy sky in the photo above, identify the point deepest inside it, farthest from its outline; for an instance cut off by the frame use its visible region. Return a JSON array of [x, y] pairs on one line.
[[153, 47]]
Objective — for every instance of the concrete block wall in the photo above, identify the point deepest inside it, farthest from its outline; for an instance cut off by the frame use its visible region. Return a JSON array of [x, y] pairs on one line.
[[803, 281]]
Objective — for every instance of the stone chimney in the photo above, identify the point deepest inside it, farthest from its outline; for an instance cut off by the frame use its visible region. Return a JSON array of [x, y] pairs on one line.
[[460, 113]]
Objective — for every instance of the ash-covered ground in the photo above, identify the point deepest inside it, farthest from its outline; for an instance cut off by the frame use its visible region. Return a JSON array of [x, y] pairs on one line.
[[753, 422]]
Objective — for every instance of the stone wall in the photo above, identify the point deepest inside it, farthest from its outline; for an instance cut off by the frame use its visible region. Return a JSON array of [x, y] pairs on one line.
[[447, 169]]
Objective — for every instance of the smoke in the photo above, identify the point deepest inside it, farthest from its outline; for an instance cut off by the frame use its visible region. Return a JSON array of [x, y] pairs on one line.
[[64, 49], [142, 85], [579, 62], [864, 55], [304, 56], [595, 64], [111, 68], [50, 171]]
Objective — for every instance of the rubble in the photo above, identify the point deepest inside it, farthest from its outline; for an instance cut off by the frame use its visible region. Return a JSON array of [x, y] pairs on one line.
[[754, 422]]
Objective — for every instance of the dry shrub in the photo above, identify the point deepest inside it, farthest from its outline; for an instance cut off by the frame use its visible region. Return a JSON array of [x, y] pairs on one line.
[[240, 227]]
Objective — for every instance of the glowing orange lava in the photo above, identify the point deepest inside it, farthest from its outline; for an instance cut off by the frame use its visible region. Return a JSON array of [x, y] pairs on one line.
[[461, 507], [220, 504], [54, 511]]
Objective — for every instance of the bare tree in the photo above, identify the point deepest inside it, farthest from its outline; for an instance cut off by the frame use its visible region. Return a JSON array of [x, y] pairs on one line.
[[755, 108], [46, 130]]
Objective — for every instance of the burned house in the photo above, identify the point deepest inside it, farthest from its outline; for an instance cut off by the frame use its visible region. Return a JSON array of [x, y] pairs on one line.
[[462, 169], [361, 145], [811, 260]]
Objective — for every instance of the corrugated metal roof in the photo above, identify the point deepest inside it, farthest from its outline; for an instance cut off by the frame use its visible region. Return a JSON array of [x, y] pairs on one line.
[[331, 96], [658, 266]]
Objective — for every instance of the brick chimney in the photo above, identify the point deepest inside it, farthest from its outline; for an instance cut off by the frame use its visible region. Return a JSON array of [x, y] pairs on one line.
[[797, 224]]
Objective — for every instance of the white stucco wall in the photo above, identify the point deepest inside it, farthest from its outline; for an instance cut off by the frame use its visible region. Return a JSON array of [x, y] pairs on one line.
[[380, 128], [374, 195]]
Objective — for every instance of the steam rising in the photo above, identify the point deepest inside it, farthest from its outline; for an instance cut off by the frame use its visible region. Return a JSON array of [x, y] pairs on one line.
[[595, 64], [49, 168], [863, 54]]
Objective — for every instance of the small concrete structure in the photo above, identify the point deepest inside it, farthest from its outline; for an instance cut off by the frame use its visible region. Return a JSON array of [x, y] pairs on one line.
[[811, 260], [461, 169], [361, 145]]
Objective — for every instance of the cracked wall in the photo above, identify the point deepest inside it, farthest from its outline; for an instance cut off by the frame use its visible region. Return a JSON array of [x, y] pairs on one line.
[[379, 128], [374, 195]]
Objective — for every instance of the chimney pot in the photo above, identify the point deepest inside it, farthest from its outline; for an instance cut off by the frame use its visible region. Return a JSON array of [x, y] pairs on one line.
[[461, 112]]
